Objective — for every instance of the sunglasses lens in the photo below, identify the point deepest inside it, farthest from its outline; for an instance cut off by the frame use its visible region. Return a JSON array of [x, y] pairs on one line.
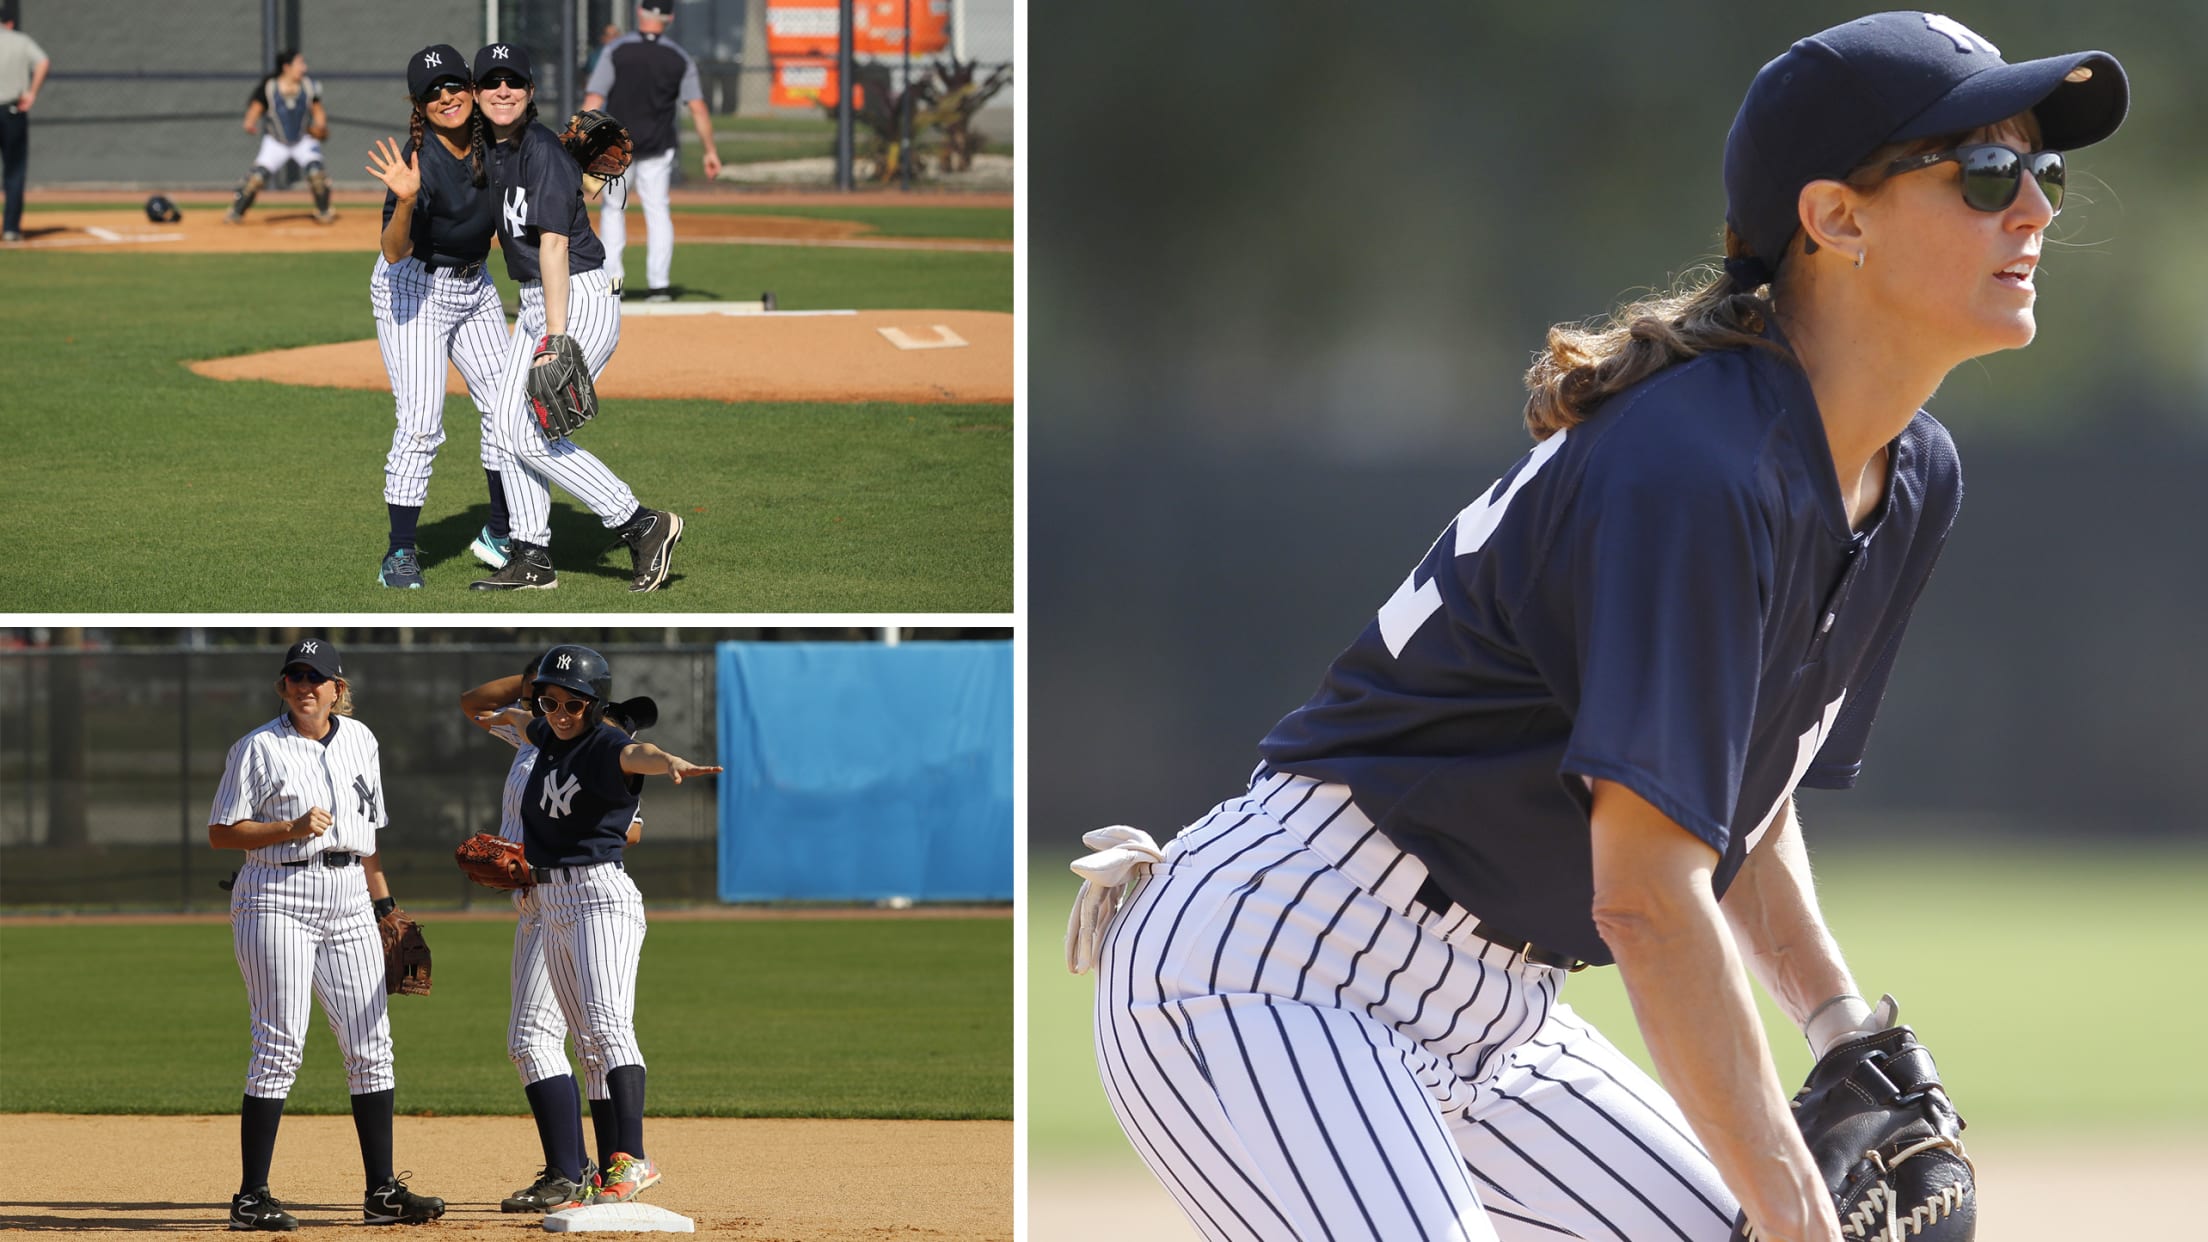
[[2049, 171], [1991, 176]]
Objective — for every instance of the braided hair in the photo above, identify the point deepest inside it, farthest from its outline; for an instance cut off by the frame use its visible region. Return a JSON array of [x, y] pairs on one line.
[[479, 138]]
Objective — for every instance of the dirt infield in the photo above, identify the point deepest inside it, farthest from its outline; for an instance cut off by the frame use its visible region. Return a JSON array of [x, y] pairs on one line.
[[2036, 1189], [867, 356], [822, 1181], [290, 228]]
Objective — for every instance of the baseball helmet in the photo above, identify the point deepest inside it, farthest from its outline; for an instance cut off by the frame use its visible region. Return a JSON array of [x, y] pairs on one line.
[[579, 669], [161, 211]]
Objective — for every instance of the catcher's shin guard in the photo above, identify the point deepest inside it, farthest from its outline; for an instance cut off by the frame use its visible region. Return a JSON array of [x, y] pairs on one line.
[[318, 182], [253, 184]]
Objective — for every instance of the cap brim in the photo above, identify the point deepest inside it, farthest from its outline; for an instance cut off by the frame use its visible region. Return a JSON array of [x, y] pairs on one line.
[[2071, 114]]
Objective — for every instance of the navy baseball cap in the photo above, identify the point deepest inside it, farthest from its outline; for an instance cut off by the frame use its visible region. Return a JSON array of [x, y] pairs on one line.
[[319, 654], [1820, 109], [657, 8], [435, 64], [512, 57]]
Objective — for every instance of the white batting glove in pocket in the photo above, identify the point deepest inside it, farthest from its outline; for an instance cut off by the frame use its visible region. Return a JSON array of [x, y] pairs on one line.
[[1123, 855]]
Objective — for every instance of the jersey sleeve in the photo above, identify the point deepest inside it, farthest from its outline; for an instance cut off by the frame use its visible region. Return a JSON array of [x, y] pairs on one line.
[[258, 95], [1670, 555], [601, 74], [381, 819], [555, 188], [509, 733], [601, 766], [240, 790], [314, 91], [689, 90]]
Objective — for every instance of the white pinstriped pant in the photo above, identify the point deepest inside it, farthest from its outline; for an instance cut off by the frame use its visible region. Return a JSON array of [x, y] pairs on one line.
[[593, 938], [594, 320], [650, 176], [423, 317], [536, 1031], [310, 932], [1299, 1048]]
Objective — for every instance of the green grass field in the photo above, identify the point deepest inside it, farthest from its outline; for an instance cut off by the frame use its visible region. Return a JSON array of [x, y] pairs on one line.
[[898, 1018], [2058, 989], [135, 485]]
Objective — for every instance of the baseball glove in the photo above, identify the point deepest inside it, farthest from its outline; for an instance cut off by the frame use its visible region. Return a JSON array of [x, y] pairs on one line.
[[600, 146], [493, 862], [560, 392], [405, 955], [1888, 1141]]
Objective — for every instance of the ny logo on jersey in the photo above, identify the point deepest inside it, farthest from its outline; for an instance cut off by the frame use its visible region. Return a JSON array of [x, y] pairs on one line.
[[500, 52], [517, 210], [310, 648], [1966, 39], [557, 796], [367, 798], [567, 661], [432, 60]]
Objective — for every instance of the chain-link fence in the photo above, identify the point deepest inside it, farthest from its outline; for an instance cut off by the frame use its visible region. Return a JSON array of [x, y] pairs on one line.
[[109, 760], [146, 94]]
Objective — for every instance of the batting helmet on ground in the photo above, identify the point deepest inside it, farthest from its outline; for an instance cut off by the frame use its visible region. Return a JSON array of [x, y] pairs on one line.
[[161, 211]]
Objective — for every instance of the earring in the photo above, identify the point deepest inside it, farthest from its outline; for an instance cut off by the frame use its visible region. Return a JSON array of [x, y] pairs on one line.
[[1859, 257]]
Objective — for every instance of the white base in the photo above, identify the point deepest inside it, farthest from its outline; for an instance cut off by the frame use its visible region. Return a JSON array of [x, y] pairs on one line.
[[632, 308], [630, 1217]]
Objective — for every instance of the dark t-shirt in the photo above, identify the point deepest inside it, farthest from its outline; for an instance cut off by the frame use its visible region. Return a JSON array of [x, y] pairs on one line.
[[453, 220], [540, 190], [578, 803], [1667, 596], [644, 78]]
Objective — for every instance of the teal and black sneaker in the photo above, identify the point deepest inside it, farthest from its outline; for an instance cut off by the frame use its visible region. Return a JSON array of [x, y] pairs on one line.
[[402, 568], [492, 550]]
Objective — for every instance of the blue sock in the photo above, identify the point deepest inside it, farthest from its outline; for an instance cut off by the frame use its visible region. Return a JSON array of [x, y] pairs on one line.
[[499, 516], [404, 518], [258, 1117], [372, 1125], [558, 1108], [626, 1084], [601, 1125]]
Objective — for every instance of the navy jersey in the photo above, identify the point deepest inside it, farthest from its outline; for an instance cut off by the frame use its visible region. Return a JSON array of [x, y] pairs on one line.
[[540, 190], [644, 77], [1667, 596], [287, 117], [453, 220], [578, 804]]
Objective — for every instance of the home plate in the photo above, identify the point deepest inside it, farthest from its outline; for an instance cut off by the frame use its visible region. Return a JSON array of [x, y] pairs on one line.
[[631, 1217]]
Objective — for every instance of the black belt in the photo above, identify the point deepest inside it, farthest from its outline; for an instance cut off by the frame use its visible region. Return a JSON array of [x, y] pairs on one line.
[[570, 871], [328, 858], [1431, 897], [462, 270]]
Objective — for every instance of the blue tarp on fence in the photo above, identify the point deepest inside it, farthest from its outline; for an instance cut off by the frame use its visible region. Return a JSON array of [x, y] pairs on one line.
[[859, 772]]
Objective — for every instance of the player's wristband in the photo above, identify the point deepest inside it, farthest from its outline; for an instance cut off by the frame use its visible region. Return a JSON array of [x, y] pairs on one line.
[[385, 905]]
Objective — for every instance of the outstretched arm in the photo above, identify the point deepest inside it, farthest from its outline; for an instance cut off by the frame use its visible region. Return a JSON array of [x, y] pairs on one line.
[[1654, 908], [487, 698], [645, 759]]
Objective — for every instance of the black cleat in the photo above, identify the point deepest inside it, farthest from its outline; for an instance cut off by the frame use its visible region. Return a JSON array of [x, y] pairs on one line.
[[551, 1192], [528, 569], [258, 1209], [393, 1204], [652, 537]]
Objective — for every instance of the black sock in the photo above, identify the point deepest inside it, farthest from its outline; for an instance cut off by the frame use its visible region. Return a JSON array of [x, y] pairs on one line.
[[601, 1124], [372, 1122], [626, 1083], [499, 516], [626, 523], [257, 1121], [404, 518], [558, 1108]]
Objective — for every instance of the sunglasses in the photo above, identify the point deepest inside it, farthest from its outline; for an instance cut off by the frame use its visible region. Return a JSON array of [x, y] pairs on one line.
[[497, 80], [1993, 174], [566, 707], [304, 677], [432, 94]]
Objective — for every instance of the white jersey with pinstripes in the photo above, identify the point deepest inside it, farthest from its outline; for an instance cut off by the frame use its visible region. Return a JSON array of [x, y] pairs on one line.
[[303, 930], [1299, 1047]]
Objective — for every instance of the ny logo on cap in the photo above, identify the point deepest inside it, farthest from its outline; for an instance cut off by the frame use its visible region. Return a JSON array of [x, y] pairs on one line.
[[310, 648], [501, 52], [432, 60], [517, 211], [557, 795], [1966, 39], [567, 661], [367, 798]]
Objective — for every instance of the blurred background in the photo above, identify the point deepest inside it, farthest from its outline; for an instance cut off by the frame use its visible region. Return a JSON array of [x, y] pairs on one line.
[[1288, 267], [149, 95], [865, 766]]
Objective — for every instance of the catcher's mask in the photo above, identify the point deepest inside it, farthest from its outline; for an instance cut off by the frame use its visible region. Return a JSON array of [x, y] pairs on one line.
[[161, 211], [579, 669]]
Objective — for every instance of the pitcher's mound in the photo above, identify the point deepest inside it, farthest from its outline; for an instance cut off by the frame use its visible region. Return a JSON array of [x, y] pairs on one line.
[[908, 357]]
